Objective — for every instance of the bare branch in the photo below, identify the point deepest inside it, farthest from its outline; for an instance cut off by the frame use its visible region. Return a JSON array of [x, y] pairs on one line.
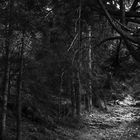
[[109, 39], [73, 41], [134, 5], [119, 30], [124, 27]]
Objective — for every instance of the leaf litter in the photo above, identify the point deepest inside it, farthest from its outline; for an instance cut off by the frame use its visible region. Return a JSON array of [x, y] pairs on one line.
[[118, 123]]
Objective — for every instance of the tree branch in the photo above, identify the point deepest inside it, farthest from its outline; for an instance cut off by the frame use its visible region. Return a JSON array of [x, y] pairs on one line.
[[120, 31], [73, 41], [109, 39], [134, 5]]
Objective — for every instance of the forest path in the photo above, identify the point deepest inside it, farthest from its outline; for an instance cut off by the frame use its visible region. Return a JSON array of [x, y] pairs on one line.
[[118, 123]]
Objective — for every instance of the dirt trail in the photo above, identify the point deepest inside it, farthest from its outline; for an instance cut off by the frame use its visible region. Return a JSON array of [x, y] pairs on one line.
[[119, 123]]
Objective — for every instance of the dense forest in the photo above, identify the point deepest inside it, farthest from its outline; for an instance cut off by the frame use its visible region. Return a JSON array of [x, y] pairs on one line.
[[70, 69]]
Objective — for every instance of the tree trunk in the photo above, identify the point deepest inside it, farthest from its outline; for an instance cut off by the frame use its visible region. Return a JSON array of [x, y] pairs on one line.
[[77, 94], [72, 96], [60, 94], [5, 92], [77, 91], [87, 102], [90, 67], [9, 83], [122, 9], [88, 98], [19, 86], [5, 86]]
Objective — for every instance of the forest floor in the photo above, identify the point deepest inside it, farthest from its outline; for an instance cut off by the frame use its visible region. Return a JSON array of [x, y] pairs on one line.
[[118, 123]]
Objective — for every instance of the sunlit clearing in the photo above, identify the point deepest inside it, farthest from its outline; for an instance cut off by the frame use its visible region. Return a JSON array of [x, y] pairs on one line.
[[108, 3], [48, 9]]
